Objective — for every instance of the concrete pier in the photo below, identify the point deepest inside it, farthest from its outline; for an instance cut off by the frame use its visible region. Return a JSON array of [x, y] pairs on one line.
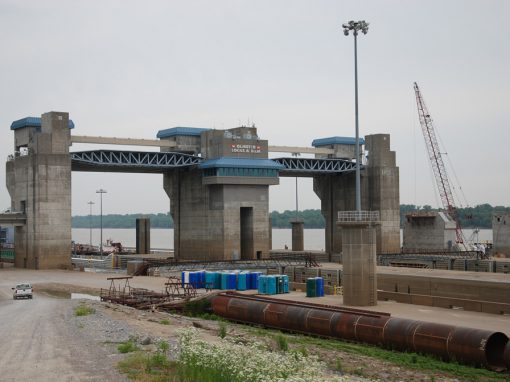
[[501, 233], [143, 236], [221, 209], [359, 277], [298, 242], [379, 191], [39, 183]]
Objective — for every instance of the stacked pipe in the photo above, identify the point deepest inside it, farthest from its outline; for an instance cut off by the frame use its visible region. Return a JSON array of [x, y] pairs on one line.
[[465, 345]]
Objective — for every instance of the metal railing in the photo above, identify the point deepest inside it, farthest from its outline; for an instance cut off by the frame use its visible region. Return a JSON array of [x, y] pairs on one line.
[[358, 216]]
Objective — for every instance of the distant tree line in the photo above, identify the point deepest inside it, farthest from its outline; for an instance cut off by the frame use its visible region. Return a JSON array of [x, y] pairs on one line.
[[471, 217], [122, 221]]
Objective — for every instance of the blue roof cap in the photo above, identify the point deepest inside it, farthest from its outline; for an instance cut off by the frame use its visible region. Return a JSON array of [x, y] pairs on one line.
[[336, 141], [32, 122], [175, 131], [241, 163]]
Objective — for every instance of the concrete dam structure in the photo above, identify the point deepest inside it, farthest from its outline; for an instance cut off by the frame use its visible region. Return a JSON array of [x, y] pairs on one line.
[[217, 182]]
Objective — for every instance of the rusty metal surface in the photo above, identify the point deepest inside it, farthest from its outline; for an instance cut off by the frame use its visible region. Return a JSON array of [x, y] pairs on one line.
[[448, 342]]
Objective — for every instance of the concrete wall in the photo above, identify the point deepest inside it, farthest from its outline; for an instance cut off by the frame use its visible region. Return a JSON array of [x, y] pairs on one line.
[[429, 231], [40, 185], [379, 192], [501, 233]]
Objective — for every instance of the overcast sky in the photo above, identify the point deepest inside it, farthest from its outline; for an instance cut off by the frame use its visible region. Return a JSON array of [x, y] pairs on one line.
[[131, 68]]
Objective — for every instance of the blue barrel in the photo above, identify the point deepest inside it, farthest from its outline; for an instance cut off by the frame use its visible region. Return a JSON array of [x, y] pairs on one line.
[[261, 284], [231, 281], [285, 284], [271, 287], [224, 281], [241, 281]]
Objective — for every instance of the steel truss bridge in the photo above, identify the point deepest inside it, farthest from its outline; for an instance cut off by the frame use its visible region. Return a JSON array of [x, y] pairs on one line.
[[162, 162]]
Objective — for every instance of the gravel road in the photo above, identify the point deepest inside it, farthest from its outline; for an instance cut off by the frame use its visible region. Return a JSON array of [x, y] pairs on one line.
[[42, 340]]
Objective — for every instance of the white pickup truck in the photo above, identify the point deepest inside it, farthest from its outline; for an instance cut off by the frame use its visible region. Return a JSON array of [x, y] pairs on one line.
[[22, 291]]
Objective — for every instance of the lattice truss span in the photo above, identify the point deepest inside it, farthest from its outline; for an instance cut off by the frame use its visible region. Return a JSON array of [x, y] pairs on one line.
[[131, 160], [313, 166], [138, 161]]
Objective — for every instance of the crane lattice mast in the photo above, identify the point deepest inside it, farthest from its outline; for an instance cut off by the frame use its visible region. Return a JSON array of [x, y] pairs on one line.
[[436, 160]]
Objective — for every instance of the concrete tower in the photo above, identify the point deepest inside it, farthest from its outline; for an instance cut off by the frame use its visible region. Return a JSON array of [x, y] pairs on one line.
[[39, 183], [379, 191]]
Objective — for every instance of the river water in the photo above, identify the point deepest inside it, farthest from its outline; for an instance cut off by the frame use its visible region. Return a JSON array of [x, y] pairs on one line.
[[163, 238]]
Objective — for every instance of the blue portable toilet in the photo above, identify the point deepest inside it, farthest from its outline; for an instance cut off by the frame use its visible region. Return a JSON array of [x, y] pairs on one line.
[[217, 280], [210, 280], [319, 286], [192, 278], [285, 284], [242, 281], [262, 284], [224, 281], [184, 278], [255, 280], [231, 281], [271, 286], [201, 282]]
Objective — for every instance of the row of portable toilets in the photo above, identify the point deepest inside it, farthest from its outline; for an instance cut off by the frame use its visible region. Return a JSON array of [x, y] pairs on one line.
[[237, 280], [222, 280]]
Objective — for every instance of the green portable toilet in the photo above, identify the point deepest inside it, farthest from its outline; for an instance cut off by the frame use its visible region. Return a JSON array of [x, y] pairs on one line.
[[311, 287]]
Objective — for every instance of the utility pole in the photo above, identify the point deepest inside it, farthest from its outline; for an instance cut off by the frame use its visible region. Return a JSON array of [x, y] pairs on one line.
[[90, 221]]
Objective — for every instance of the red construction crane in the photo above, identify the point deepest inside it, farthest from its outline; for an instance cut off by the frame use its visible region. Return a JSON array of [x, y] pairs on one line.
[[436, 160]]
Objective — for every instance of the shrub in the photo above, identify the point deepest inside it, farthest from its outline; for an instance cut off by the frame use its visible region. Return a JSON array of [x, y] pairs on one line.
[[222, 330], [282, 343], [127, 347], [83, 310]]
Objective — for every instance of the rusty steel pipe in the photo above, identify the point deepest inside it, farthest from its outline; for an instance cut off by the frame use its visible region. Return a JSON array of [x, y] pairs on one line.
[[448, 342]]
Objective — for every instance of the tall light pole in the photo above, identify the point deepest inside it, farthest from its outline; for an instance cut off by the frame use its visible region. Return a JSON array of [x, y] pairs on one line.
[[297, 205], [101, 192], [90, 220], [355, 27]]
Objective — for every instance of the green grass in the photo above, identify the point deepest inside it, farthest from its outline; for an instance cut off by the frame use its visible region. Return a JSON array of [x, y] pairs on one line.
[[155, 367], [408, 360], [164, 322], [83, 310], [127, 347], [140, 366]]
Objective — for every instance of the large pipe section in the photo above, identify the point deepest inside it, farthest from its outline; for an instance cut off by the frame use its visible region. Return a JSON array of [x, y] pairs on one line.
[[448, 342]]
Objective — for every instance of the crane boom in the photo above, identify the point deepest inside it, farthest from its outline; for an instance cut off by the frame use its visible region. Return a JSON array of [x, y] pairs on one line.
[[436, 160]]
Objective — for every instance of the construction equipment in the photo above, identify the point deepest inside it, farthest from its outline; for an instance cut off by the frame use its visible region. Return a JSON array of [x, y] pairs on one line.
[[438, 166]]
